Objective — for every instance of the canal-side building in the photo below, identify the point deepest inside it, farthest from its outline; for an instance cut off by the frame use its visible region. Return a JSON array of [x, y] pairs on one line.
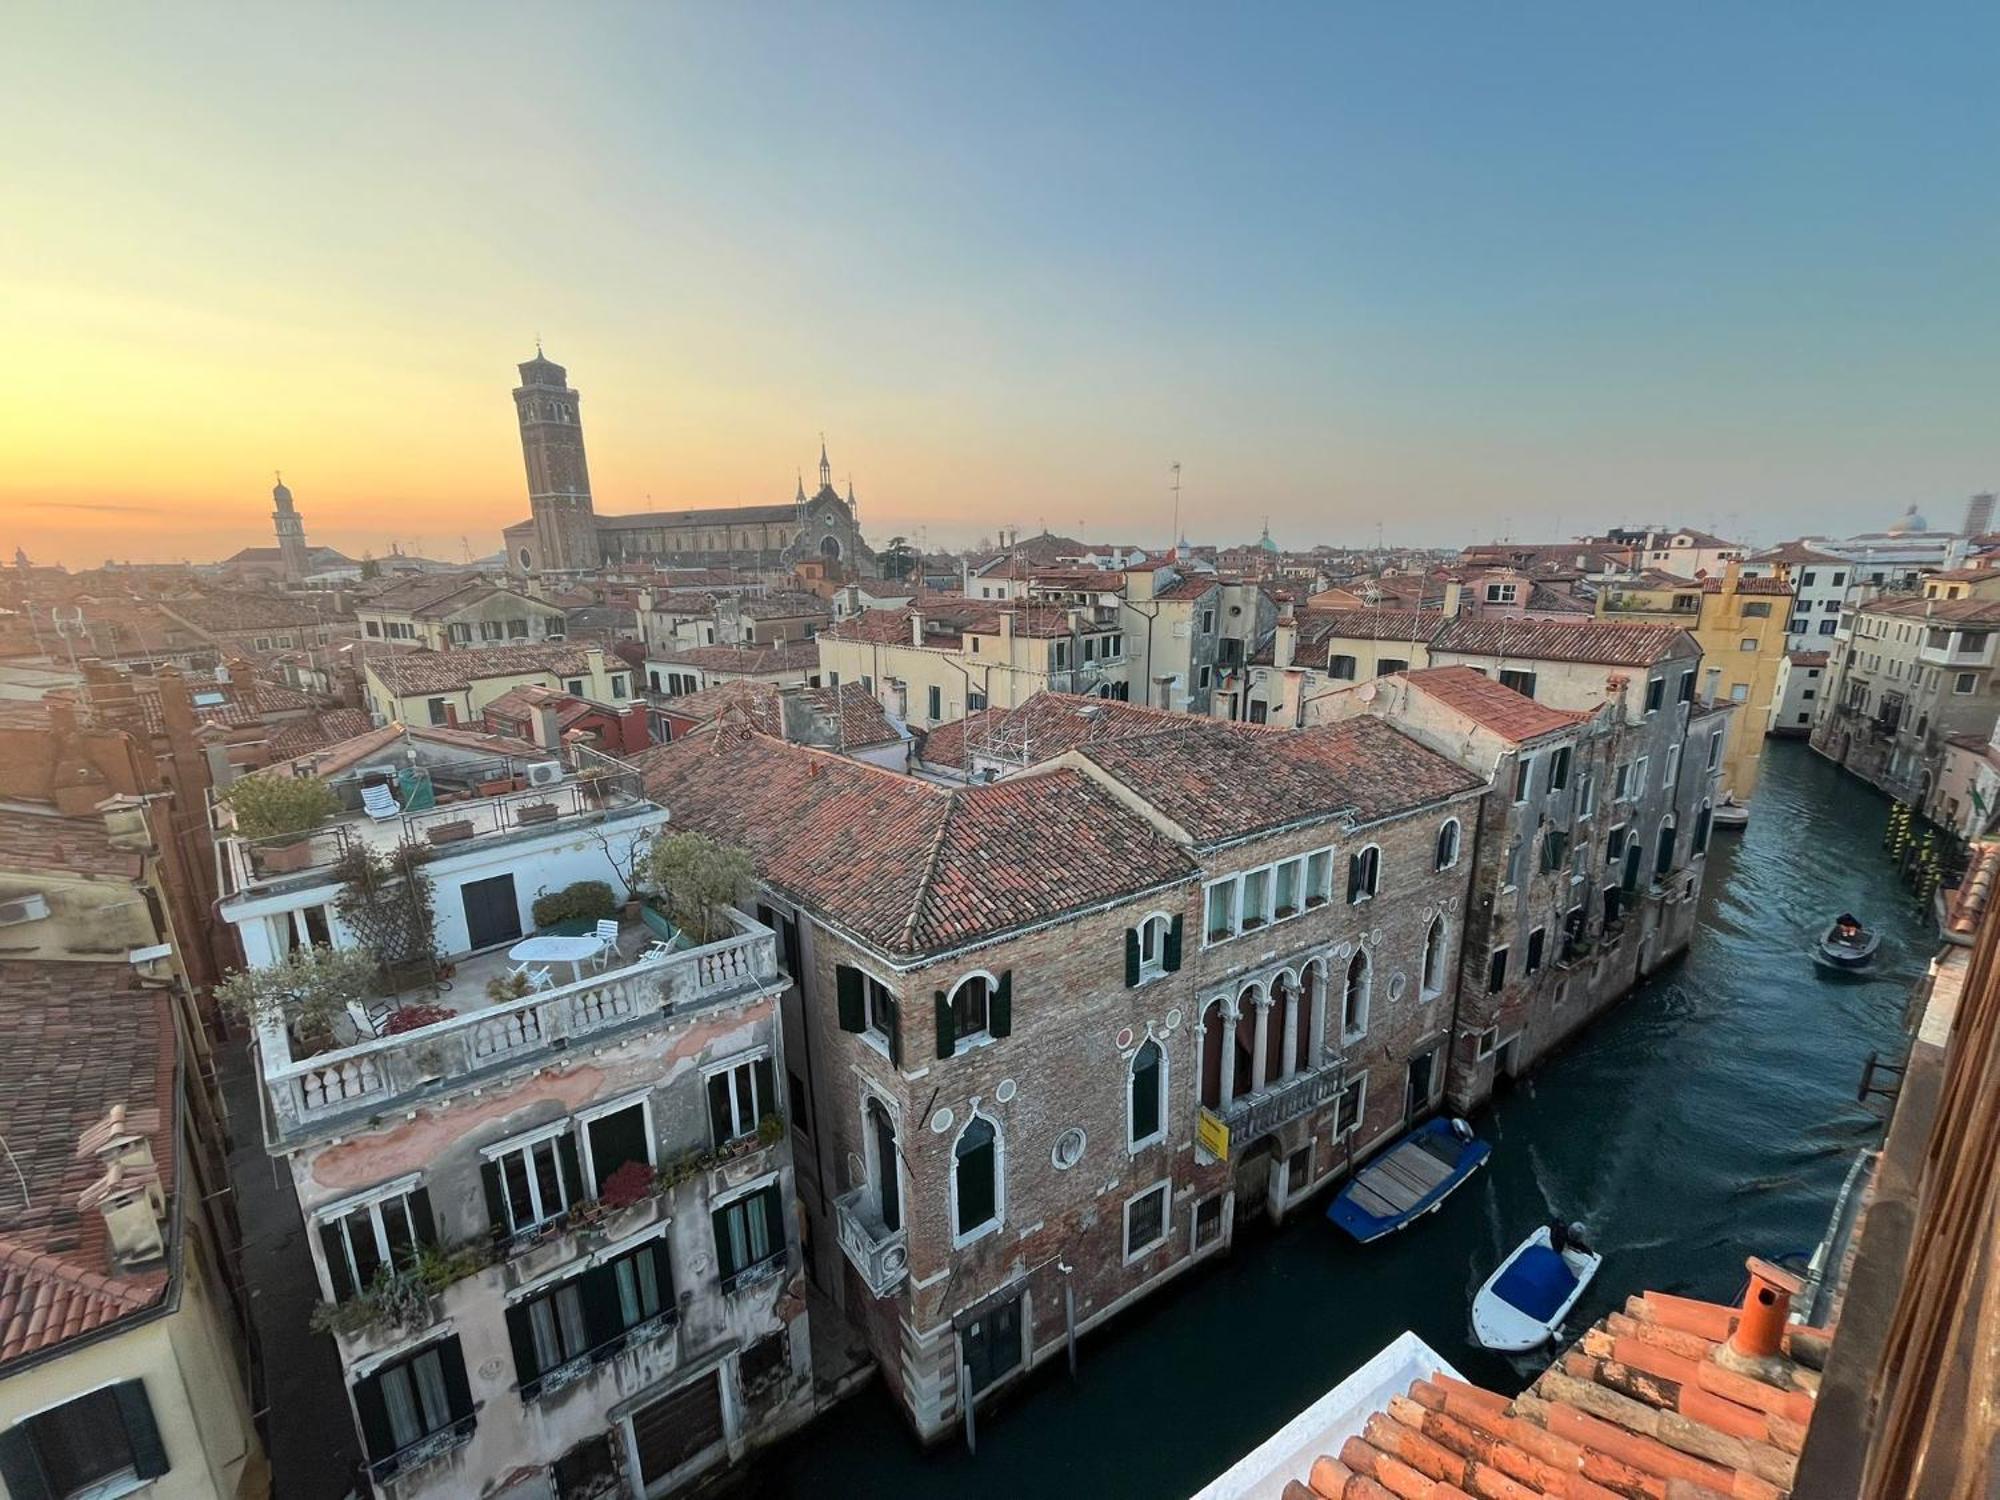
[[549, 1203], [1053, 1033], [1320, 651], [1911, 673], [1587, 854]]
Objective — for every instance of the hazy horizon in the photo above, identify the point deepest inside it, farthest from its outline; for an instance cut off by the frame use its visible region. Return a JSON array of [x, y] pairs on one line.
[[1455, 275]]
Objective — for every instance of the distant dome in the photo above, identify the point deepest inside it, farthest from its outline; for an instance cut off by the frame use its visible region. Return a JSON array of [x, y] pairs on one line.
[[1907, 522]]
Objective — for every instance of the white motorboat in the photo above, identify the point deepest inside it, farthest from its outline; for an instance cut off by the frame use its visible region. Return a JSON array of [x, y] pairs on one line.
[[1524, 1303]]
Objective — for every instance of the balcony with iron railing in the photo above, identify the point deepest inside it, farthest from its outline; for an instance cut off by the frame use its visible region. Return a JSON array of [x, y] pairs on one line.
[[1254, 1115], [880, 1254], [329, 1090]]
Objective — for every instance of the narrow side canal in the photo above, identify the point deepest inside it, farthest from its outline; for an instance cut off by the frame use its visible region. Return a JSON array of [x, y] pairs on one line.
[[1711, 1116]]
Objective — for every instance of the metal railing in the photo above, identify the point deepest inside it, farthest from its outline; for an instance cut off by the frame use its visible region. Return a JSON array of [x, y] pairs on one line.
[[308, 1093], [879, 1253]]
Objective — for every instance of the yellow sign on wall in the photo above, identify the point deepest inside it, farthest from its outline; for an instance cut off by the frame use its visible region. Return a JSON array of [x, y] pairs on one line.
[[1211, 1134]]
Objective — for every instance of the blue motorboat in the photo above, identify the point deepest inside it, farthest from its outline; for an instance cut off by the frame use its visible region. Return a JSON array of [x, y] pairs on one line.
[[1410, 1179]]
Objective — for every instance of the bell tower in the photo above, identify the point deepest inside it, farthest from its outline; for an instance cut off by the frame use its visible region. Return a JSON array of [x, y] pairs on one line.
[[291, 528], [558, 477]]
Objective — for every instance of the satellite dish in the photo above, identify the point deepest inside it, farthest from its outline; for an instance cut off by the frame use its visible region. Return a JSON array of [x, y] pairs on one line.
[[1366, 692]]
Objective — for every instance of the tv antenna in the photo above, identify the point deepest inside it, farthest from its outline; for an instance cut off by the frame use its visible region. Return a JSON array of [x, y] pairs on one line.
[[1174, 469]]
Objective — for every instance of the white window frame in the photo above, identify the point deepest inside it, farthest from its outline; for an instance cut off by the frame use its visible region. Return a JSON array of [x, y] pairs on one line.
[[979, 1038], [1312, 893], [1457, 844], [1164, 1186], [1425, 991], [528, 1142], [1524, 778], [1359, 1084], [1133, 1144], [1671, 777], [736, 1060], [1640, 768], [1621, 786], [999, 1219], [1586, 793], [372, 1200], [1153, 967], [1349, 1037], [1375, 870], [583, 1118], [1971, 679]]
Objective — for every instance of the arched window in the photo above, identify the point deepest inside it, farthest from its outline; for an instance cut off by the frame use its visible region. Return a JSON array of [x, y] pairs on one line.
[[1701, 823], [975, 1179], [1447, 846], [1153, 946], [1437, 942], [882, 1165], [1214, 1047], [971, 1006], [1663, 857], [1354, 1007], [1146, 1116], [1364, 868]]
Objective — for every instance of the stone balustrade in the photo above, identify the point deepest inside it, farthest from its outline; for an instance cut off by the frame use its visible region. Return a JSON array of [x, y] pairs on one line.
[[879, 1253]]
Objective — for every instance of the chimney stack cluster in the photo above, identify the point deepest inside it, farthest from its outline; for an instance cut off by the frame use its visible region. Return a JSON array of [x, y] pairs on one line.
[[129, 1193]]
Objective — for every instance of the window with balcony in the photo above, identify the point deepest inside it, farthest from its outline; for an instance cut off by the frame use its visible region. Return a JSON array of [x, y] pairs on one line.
[[532, 1183], [740, 1094], [1145, 1114], [589, 1313], [423, 1395], [975, 1180], [359, 1239], [1146, 1220], [749, 1235], [553, 1328], [102, 1443]]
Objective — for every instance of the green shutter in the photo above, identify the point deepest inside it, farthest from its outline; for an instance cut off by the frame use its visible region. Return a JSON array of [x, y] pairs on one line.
[[853, 1014], [1131, 957], [496, 1201], [1000, 1007], [422, 1223], [526, 1371], [572, 1168], [21, 1467], [374, 1417], [1172, 957], [895, 1011], [767, 1089], [457, 1389], [774, 1217], [333, 1246], [597, 1290], [947, 1037]]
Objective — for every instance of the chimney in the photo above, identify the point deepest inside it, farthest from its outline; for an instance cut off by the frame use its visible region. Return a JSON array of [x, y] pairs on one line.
[[916, 627], [1760, 1330], [128, 1194], [125, 823], [1006, 626], [1283, 642], [635, 734], [594, 663], [547, 731], [450, 714]]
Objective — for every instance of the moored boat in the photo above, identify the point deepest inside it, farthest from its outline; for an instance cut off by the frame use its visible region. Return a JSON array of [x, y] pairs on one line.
[[1846, 943], [1730, 814], [1410, 1179], [1524, 1302]]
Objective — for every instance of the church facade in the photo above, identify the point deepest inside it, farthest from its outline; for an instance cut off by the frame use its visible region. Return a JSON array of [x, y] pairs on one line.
[[564, 533]]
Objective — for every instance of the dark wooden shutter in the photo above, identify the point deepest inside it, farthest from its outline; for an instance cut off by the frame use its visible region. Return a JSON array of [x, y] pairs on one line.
[[774, 1215], [725, 1255], [457, 1389], [663, 1267], [334, 1246], [847, 983], [1000, 1006], [496, 1201], [947, 1036], [720, 1124], [1171, 960], [597, 1290], [1353, 877], [572, 1168], [521, 1335], [767, 1090], [20, 1466], [895, 1033], [1131, 957], [374, 1415], [422, 1223]]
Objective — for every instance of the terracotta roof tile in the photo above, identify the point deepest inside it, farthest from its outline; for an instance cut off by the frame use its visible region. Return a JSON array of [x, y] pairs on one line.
[[1945, 611], [906, 865], [82, 1037], [1046, 725], [751, 661], [31, 841], [863, 723], [1493, 705], [1619, 643], [450, 671]]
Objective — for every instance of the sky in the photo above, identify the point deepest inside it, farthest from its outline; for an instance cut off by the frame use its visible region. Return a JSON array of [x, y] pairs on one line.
[[1434, 273]]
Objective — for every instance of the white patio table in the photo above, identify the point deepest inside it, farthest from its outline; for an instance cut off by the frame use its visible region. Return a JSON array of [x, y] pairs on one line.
[[560, 950]]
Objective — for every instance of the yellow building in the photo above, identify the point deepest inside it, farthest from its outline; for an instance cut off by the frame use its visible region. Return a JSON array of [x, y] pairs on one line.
[[121, 1365], [443, 687], [1740, 624]]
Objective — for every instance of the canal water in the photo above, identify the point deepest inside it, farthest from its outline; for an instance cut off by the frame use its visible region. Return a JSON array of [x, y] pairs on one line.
[[1711, 1116]]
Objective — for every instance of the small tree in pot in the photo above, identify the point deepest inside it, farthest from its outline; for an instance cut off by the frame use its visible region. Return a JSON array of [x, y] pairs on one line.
[[700, 880], [305, 991], [269, 806]]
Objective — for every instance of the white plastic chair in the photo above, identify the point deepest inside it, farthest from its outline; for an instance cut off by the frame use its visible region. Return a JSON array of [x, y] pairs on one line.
[[379, 803], [607, 942], [541, 979]]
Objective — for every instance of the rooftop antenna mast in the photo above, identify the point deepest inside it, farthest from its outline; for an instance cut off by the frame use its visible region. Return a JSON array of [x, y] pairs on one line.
[[1174, 541]]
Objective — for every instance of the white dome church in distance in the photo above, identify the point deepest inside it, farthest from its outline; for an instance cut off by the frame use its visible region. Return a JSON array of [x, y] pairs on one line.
[[1908, 522]]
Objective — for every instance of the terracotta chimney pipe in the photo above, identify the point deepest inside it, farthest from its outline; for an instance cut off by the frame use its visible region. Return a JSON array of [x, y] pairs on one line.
[[1766, 1307]]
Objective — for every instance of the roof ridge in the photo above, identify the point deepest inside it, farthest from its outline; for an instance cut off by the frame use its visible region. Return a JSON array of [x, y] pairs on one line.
[[920, 903]]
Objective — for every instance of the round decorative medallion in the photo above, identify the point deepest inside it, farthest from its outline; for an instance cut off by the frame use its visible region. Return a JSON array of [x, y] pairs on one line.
[[1174, 1018], [1006, 1091], [1068, 1149], [1396, 985], [1124, 1038], [941, 1121], [492, 1369]]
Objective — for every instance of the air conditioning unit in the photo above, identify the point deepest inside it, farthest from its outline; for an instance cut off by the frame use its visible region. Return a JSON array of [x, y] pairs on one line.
[[23, 909], [545, 773]]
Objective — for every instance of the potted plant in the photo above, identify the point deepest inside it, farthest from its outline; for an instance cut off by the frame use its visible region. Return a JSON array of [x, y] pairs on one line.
[[271, 805], [700, 881], [306, 991], [576, 908]]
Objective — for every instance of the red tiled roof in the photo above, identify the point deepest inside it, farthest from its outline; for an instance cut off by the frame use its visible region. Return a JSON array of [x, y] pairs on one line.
[[887, 627], [31, 841], [863, 722], [449, 671], [906, 865], [1795, 552], [1948, 611], [296, 737], [751, 661], [1806, 658], [1749, 586], [222, 613], [1237, 780], [1644, 1407], [1493, 705], [1188, 588], [80, 1038], [332, 759], [1615, 643], [1047, 724]]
